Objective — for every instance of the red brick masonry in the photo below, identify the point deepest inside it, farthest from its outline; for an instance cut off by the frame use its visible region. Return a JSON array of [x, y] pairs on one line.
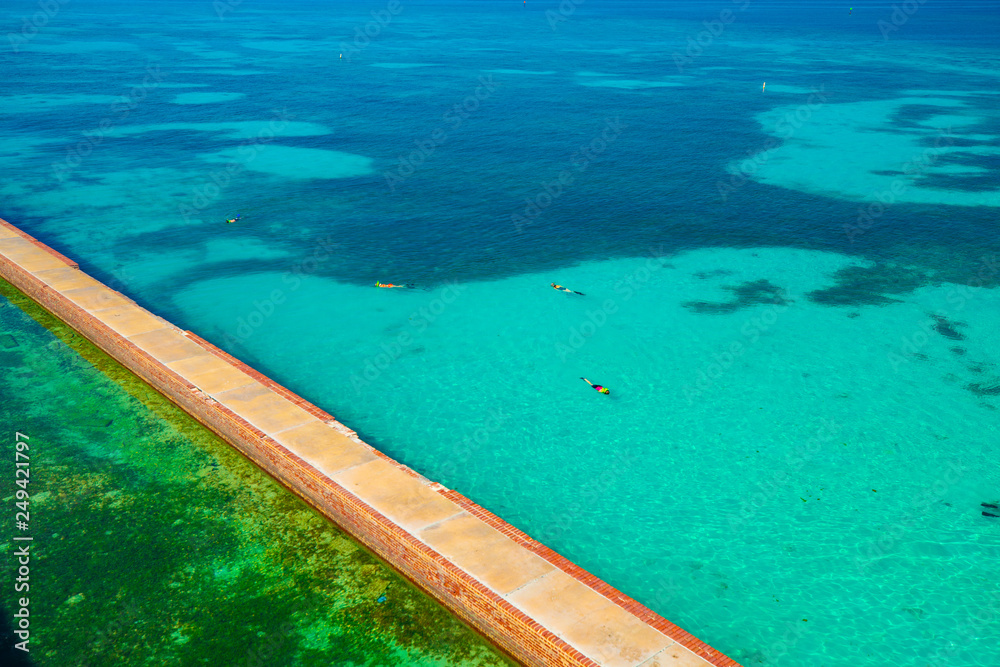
[[475, 602]]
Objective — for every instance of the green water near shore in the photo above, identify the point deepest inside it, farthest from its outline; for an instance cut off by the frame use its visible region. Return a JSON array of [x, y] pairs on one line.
[[155, 542]]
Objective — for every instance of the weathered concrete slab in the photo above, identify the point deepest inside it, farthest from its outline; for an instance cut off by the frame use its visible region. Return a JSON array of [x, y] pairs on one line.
[[675, 655], [616, 638], [210, 374], [28, 256], [167, 345], [401, 497], [483, 552], [325, 447], [95, 297], [66, 278], [557, 601], [263, 408], [130, 319]]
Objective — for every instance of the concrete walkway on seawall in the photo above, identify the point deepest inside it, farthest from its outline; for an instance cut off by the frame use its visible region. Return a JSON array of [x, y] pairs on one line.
[[530, 601]]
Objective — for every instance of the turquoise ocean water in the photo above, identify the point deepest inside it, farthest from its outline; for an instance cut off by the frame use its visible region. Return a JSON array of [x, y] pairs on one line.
[[789, 288]]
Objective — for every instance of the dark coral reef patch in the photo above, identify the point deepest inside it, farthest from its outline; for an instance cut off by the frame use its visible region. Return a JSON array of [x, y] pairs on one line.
[[751, 293]]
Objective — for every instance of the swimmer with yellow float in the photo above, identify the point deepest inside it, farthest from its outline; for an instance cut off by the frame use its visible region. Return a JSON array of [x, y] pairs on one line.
[[603, 390], [390, 285]]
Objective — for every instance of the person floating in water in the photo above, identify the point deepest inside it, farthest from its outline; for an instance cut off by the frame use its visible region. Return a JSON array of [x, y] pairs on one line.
[[566, 289], [390, 285], [603, 390], [232, 220]]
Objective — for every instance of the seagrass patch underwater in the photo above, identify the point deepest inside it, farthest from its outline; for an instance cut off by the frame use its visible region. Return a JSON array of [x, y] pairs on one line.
[[155, 541]]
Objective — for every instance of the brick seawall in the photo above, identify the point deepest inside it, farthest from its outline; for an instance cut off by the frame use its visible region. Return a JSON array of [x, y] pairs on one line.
[[539, 607]]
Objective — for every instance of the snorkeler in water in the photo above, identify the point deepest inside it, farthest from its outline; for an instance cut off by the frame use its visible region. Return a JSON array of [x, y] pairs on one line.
[[566, 289], [390, 285], [230, 221], [603, 390]]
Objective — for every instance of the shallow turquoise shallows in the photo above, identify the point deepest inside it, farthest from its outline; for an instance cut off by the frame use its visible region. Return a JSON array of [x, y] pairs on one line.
[[782, 220]]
